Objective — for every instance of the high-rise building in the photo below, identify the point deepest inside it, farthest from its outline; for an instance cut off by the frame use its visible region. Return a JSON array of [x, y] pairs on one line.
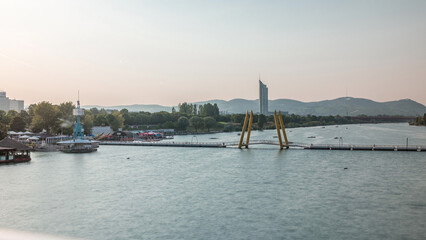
[[263, 98], [7, 104]]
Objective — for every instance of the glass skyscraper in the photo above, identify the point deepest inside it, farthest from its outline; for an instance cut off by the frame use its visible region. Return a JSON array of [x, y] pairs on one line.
[[263, 98]]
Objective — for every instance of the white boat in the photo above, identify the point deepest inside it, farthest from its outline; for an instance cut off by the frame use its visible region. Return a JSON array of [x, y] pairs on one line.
[[78, 144]]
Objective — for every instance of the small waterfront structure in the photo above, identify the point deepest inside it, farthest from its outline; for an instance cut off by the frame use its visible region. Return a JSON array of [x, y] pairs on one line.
[[12, 151], [157, 134], [78, 144], [121, 136], [56, 139]]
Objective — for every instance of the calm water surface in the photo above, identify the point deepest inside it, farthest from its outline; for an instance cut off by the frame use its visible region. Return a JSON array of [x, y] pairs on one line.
[[200, 193]]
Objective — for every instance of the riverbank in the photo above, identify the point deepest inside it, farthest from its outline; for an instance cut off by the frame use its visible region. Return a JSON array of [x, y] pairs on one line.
[[211, 193]]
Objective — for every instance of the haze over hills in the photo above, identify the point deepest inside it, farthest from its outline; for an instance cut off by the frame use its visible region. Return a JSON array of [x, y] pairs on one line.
[[340, 106]]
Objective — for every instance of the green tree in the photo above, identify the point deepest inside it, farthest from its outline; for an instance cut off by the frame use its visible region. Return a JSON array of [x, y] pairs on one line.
[[3, 117], [8, 117], [88, 121], [183, 123], [168, 125], [209, 122], [115, 120], [261, 120], [424, 119], [160, 117], [65, 110], [125, 113], [209, 109], [31, 113], [419, 121], [46, 116], [94, 111], [66, 117], [12, 113], [26, 116], [17, 124], [194, 109], [3, 131], [101, 120], [185, 108], [215, 110], [31, 109], [237, 118], [196, 122]]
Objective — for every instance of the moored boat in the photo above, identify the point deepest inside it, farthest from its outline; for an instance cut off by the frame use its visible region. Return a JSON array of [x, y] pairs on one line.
[[12, 151]]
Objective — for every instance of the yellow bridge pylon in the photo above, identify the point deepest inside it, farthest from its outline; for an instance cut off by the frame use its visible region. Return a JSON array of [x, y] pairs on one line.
[[279, 122], [247, 120]]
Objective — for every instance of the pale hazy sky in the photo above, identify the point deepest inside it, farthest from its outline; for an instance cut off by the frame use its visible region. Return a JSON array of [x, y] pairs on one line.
[[166, 52]]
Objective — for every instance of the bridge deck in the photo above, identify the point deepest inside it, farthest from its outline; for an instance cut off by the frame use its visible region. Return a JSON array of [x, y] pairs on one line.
[[269, 142], [191, 144], [417, 148]]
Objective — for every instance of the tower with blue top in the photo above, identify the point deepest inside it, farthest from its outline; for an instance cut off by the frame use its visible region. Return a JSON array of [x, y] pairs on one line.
[[78, 130]]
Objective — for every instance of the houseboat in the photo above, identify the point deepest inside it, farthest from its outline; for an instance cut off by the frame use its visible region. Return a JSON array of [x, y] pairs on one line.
[[12, 151]]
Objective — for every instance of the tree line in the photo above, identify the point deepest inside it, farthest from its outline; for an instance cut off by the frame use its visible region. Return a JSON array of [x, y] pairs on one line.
[[58, 119], [420, 121], [55, 119]]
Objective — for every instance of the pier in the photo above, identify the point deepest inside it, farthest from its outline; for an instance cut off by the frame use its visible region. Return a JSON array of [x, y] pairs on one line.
[[164, 144], [187, 144], [191, 144], [348, 147]]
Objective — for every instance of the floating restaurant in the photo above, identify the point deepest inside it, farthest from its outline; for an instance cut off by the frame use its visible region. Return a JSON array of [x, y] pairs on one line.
[[78, 144], [12, 151]]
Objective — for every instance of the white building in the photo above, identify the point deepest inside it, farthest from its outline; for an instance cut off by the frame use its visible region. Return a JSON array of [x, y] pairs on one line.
[[7, 104]]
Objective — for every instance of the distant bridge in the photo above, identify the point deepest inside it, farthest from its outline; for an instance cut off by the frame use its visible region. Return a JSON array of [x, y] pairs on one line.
[[385, 118], [418, 148], [374, 147]]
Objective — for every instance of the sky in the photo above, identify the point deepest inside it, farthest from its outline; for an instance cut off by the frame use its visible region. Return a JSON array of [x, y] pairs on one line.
[[167, 52]]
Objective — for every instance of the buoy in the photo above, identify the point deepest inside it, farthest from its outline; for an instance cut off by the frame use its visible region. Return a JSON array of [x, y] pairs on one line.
[[128, 158]]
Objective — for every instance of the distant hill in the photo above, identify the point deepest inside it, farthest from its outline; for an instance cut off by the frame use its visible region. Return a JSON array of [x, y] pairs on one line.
[[340, 106]]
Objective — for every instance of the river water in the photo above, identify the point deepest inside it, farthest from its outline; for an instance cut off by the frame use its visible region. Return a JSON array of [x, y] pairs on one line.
[[130, 192]]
